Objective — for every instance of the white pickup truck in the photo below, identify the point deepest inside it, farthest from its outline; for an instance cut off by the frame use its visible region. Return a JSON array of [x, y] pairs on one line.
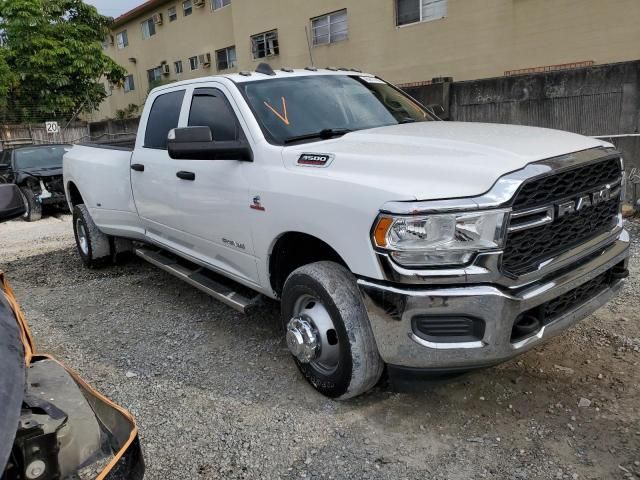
[[391, 239]]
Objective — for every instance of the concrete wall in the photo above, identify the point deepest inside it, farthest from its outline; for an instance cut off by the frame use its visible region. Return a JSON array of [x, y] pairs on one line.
[[596, 101], [601, 100], [477, 38]]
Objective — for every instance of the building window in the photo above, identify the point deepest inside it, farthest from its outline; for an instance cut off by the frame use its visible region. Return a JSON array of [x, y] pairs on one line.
[[329, 28], [226, 58], [413, 11], [128, 83], [122, 39], [172, 14], [265, 44], [193, 63], [148, 28], [154, 74], [187, 8], [178, 66], [216, 4]]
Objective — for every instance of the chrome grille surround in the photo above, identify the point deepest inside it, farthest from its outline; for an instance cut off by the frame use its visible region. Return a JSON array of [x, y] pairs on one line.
[[487, 267]]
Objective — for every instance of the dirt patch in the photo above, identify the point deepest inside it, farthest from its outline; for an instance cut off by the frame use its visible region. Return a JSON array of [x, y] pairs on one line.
[[217, 396]]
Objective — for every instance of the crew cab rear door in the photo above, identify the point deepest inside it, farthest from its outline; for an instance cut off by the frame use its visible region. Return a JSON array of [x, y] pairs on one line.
[[153, 172]]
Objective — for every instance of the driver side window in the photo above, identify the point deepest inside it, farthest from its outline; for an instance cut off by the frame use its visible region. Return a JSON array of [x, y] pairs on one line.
[[210, 108]]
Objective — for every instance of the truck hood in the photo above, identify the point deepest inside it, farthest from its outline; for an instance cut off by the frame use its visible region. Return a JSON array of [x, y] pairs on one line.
[[438, 160]]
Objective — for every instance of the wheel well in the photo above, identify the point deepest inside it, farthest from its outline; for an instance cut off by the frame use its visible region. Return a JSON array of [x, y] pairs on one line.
[[74, 194], [292, 251]]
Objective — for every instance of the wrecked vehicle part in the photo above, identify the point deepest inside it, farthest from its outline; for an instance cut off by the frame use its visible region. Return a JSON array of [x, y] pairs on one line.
[[13, 378], [37, 170], [65, 428]]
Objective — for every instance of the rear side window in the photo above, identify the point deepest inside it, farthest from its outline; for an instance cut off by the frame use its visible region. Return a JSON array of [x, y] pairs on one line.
[[210, 108], [164, 116]]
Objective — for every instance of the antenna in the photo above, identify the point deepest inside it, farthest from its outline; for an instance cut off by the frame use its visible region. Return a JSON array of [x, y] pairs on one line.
[[306, 34], [265, 69]]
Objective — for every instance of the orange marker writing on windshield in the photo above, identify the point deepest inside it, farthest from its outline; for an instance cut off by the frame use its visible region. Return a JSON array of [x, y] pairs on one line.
[[284, 117]]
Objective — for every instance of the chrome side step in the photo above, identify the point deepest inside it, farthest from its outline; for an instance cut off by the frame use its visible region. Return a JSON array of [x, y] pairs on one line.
[[198, 279]]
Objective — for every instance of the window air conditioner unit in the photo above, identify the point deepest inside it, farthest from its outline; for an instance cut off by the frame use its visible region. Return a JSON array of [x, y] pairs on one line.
[[166, 70], [157, 18], [205, 60], [199, 3]]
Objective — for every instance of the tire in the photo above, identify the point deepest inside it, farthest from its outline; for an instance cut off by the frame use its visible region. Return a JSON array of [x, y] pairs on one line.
[[33, 206], [359, 365], [94, 247]]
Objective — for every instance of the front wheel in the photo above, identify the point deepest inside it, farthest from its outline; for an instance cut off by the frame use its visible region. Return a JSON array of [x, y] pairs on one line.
[[33, 208], [328, 330], [94, 246]]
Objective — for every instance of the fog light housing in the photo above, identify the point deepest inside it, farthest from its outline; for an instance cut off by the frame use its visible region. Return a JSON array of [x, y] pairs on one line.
[[448, 329]]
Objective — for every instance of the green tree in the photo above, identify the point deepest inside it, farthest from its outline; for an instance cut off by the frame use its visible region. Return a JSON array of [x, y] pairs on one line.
[[53, 49], [7, 79]]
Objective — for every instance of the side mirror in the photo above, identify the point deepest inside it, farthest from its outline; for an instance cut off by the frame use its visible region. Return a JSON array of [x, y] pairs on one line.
[[196, 143], [11, 202]]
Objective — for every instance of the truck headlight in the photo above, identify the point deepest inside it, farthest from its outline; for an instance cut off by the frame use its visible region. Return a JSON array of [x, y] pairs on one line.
[[440, 239]]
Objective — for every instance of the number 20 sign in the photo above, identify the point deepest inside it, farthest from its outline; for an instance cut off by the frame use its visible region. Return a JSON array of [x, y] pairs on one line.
[[52, 127]]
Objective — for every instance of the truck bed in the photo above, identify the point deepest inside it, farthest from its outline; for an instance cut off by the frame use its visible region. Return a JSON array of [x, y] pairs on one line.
[[126, 143], [101, 174]]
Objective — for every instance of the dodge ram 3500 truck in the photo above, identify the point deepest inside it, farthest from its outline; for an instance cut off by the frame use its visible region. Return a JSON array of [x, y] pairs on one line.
[[389, 237]]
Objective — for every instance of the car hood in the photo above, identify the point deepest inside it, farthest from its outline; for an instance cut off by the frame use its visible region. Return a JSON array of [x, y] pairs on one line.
[[438, 160], [43, 172], [52, 171]]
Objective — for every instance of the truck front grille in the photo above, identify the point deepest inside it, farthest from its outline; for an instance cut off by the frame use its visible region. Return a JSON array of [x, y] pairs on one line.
[[549, 189], [526, 249]]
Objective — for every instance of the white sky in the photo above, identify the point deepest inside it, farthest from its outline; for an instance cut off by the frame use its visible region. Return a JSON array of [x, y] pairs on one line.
[[113, 8]]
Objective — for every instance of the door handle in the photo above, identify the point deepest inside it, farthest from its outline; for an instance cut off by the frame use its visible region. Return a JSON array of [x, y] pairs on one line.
[[138, 167], [186, 175]]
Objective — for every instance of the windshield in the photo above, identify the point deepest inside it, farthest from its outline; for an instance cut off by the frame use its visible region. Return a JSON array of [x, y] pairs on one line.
[[287, 108], [40, 157]]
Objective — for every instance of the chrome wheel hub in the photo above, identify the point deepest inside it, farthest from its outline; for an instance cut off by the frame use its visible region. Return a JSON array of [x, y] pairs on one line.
[[311, 335], [302, 339], [83, 242]]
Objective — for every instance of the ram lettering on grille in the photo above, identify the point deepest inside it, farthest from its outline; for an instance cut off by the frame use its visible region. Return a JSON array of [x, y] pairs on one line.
[[556, 213]]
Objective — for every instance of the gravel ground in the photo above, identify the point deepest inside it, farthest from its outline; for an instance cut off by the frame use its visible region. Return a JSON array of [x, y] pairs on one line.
[[217, 396]]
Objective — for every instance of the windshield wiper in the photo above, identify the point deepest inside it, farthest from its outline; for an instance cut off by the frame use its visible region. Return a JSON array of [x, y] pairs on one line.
[[323, 134]]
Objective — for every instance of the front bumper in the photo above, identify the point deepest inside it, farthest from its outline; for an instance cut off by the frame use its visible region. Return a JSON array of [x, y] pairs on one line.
[[52, 198], [391, 308]]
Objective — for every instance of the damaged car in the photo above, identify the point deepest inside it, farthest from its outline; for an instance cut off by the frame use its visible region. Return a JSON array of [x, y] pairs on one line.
[[53, 425], [37, 170]]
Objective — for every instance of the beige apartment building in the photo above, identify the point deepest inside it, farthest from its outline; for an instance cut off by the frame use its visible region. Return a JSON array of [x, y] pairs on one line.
[[403, 41]]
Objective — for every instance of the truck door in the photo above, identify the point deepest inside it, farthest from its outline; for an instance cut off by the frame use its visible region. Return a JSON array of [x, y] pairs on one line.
[[213, 195], [153, 172]]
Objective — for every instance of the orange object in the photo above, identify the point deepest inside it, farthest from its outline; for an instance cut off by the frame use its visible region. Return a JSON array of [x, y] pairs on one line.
[[284, 116], [380, 232], [30, 355]]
